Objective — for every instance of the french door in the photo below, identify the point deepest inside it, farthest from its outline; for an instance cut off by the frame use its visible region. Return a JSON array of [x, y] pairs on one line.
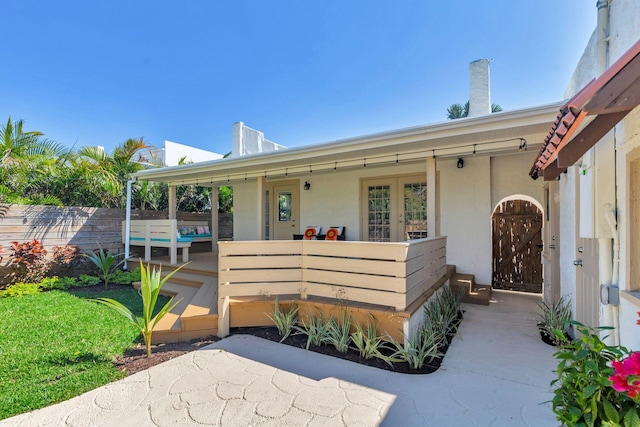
[[394, 208]]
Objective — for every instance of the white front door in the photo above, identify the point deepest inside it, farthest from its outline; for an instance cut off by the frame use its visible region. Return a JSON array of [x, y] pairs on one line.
[[285, 202], [394, 208]]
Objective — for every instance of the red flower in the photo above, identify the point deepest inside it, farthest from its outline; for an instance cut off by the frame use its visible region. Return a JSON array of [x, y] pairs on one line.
[[626, 377], [638, 322]]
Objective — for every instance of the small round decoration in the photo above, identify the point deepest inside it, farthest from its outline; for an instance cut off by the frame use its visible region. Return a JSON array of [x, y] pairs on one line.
[[332, 234], [309, 233]]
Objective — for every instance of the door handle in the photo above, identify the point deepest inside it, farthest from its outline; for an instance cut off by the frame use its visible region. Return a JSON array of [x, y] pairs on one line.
[[552, 246], [577, 262]]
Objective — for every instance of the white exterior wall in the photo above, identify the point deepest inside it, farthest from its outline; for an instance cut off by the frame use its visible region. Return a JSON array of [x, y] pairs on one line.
[[623, 32], [467, 198], [568, 235], [334, 198], [250, 141], [245, 211], [174, 151], [509, 176], [465, 215]]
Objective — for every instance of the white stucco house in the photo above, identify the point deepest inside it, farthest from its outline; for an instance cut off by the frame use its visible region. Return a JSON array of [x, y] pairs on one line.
[[470, 180]]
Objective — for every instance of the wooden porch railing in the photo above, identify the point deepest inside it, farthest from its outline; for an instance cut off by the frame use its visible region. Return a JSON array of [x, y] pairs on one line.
[[386, 274]]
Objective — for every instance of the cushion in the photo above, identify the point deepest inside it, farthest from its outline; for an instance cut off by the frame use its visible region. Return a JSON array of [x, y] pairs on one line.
[[310, 233], [332, 234], [340, 230], [188, 230]]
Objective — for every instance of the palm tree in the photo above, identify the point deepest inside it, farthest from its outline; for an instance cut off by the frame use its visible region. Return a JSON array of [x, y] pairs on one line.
[[457, 111]]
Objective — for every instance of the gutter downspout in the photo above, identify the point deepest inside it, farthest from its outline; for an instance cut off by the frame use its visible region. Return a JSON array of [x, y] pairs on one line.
[[127, 224]]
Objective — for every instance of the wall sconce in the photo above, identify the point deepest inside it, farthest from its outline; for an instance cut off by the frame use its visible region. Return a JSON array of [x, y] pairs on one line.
[[307, 185], [460, 163]]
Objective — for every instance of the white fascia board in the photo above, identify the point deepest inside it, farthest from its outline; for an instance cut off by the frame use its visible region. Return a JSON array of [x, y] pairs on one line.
[[389, 140]]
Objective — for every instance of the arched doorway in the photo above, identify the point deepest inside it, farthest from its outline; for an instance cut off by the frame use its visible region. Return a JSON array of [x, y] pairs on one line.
[[517, 245]]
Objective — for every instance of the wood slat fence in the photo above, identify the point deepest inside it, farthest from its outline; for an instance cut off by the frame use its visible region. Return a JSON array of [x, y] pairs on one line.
[[384, 274], [80, 226]]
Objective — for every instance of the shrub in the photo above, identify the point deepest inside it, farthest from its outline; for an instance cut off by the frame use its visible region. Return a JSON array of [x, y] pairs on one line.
[[367, 343], [422, 345], [29, 261], [554, 316], [442, 311], [20, 289], [583, 394], [284, 321], [86, 280], [315, 330], [106, 263], [338, 333], [64, 260], [122, 277], [55, 282]]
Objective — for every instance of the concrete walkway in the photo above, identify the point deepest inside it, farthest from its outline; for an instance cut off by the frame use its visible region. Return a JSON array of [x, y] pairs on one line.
[[496, 373]]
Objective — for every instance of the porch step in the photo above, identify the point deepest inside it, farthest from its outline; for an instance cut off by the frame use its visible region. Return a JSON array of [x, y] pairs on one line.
[[195, 316], [473, 292], [186, 279]]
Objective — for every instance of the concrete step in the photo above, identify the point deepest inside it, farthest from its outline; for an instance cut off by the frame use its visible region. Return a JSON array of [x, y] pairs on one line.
[[473, 292]]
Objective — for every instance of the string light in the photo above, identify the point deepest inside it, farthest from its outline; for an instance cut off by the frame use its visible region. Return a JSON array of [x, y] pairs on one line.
[[474, 149], [396, 159], [365, 162], [335, 165]]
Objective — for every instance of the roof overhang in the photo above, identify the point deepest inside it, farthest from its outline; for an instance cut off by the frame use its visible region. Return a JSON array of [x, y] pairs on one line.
[[494, 133], [590, 115]]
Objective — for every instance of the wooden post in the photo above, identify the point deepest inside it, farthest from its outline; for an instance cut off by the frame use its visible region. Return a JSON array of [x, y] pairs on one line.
[[223, 317], [431, 197], [260, 188], [214, 219], [173, 202]]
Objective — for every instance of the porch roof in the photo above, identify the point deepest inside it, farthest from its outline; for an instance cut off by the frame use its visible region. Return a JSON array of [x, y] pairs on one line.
[[589, 115], [494, 133]]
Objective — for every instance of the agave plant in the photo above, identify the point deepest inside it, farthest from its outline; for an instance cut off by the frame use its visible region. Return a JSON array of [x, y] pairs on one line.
[[151, 283], [555, 316], [106, 263]]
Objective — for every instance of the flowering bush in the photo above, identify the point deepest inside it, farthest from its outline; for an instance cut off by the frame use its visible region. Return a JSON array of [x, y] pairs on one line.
[[626, 377]]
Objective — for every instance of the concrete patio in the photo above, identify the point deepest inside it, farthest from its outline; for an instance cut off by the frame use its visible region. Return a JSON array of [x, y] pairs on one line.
[[496, 373]]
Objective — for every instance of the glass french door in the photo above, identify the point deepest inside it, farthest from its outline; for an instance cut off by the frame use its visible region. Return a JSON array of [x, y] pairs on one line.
[[395, 209]]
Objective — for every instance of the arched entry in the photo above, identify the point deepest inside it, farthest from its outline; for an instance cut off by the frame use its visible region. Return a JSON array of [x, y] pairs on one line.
[[517, 244]]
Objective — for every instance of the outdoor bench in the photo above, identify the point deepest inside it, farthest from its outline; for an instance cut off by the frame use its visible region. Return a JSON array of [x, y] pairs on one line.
[[162, 233]]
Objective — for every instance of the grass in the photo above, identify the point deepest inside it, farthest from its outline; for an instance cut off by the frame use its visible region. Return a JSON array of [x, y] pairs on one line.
[[56, 345]]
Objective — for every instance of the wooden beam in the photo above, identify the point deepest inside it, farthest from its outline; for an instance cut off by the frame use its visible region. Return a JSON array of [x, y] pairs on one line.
[[587, 138], [552, 171], [621, 93]]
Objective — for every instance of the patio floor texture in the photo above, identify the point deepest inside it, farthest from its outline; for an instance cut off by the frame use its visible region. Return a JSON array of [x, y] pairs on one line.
[[496, 373]]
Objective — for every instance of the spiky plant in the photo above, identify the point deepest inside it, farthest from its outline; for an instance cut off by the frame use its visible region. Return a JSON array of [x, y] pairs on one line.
[[284, 321], [151, 282]]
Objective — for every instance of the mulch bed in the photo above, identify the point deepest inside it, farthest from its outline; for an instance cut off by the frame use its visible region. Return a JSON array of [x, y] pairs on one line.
[[135, 359], [300, 341]]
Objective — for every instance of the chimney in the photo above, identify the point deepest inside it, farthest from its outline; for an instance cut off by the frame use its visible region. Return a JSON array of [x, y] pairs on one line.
[[480, 94]]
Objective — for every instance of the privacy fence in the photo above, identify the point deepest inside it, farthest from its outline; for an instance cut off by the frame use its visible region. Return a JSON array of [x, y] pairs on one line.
[[83, 227]]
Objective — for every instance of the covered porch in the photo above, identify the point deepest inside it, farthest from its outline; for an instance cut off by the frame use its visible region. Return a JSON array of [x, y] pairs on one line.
[[237, 287]]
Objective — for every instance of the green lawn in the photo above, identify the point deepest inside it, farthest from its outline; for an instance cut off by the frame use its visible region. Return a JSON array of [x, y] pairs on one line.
[[57, 345]]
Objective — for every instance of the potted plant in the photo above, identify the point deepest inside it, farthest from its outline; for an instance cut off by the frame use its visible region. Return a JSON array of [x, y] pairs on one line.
[[555, 316]]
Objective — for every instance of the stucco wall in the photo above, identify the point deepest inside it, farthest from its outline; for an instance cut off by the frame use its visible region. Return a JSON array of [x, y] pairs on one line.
[[509, 176], [334, 198], [245, 210], [623, 32], [465, 215]]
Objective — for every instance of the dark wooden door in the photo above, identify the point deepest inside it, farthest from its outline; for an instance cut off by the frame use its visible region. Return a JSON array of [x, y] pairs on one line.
[[517, 246]]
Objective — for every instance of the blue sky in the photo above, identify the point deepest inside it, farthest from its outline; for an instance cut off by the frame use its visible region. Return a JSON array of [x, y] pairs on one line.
[[97, 73]]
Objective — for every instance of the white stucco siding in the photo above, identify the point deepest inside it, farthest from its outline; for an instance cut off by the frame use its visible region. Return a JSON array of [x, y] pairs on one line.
[[245, 211], [568, 235], [510, 176], [334, 197], [465, 215]]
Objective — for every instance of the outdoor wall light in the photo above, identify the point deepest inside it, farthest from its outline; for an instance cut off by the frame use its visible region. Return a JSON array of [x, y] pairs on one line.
[[307, 185], [460, 163]]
